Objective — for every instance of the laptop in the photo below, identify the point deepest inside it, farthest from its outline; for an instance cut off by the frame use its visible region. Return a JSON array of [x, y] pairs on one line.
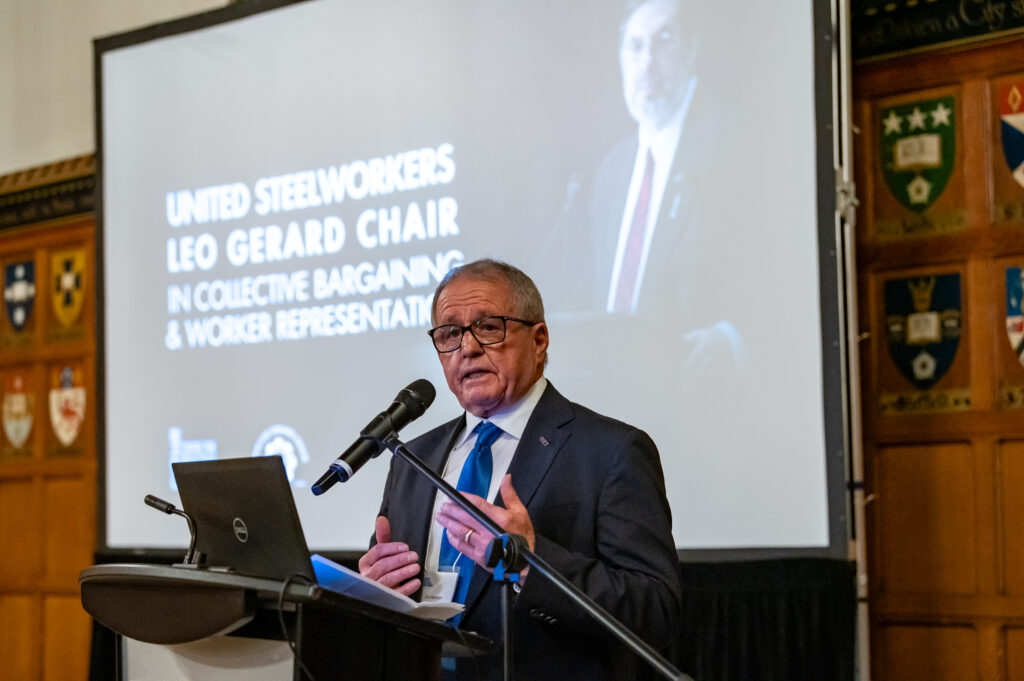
[[245, 516], [246, 522]]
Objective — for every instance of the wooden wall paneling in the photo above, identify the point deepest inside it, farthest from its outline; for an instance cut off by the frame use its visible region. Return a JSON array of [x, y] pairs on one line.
[[986, 523], [926, 520], [979, 295], [47, 503], [949, 65], [991, 649], [1014, 657], [865, 140], [67, 639], [974, 143], [1010, 464], [19, 637], [69, 505], [20, 532], [925, 652], [946, 562], [46, 300], [41, 438]]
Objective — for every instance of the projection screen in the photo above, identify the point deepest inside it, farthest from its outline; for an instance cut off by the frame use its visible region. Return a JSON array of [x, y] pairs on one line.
[[282, 189]]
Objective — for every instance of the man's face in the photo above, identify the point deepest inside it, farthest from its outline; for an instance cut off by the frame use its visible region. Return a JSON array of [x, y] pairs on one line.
[[655, 68], [487, 378]]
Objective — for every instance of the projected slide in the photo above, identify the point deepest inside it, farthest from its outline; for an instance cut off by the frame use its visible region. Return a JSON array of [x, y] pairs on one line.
[[282, 193]]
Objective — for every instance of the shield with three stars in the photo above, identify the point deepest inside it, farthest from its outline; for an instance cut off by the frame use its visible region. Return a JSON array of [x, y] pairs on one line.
[[18, 407], [67, 274], [1011, 123], [1014, 312], [918, 145], [19, 292], [922, 318], [67, 403]]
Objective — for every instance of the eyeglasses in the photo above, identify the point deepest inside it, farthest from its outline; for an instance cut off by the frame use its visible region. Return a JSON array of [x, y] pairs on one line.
[[486, 331], [633, 47]]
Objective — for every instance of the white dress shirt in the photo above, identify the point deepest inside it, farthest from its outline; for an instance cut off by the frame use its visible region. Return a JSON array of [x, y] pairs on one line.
[[512, 422], [662, 145]]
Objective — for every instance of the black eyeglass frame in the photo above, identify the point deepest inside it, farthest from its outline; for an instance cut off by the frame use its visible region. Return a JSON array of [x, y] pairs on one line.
[[505, 319]]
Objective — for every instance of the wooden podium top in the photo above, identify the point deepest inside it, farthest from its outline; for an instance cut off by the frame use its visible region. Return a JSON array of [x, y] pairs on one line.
[[167, 605]]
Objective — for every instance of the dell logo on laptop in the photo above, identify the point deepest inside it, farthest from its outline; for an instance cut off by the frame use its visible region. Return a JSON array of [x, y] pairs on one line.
[[241, 531]]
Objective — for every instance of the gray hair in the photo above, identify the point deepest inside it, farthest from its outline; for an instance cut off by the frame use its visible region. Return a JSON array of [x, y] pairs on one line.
[[525, 297], [631, 6]]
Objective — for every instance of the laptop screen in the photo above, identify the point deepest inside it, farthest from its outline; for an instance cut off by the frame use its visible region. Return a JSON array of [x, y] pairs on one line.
[[245, 516]]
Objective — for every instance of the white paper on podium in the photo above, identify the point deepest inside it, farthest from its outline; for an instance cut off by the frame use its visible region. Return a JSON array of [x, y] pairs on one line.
[[340, 579]]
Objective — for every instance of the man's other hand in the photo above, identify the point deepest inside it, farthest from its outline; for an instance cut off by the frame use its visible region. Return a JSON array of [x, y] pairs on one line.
[[391, 563]]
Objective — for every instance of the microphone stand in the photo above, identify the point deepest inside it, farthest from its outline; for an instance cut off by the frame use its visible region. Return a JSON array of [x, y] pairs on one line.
[[507, 554]]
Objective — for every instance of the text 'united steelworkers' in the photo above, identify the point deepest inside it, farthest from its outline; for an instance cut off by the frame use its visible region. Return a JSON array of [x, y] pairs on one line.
[[357, 295]]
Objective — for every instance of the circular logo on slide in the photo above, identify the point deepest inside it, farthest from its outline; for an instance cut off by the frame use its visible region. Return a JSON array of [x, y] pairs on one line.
[[241, 531], [283, 441]]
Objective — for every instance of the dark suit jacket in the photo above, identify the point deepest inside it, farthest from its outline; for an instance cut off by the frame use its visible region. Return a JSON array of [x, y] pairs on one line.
[[688, 264], [596, 496]]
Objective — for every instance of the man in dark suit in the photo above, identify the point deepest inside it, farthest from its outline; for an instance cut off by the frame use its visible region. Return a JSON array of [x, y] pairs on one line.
[[586, 491]]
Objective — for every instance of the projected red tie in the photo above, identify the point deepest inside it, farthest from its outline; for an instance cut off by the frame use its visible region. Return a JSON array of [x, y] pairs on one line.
[[630, 268]]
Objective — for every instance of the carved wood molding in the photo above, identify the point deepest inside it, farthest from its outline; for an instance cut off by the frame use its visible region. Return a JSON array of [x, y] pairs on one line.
[[48, 192]]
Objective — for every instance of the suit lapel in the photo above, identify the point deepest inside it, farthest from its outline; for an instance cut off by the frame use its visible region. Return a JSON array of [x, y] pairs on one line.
[[542, 439], [676, 230], [673, 229]]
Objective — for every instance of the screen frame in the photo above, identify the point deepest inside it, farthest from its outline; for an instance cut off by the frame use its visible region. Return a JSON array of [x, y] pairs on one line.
[[832, 286]]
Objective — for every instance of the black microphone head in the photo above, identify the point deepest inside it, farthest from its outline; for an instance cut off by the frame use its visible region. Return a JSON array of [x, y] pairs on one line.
[[159, 504], [416, 397]]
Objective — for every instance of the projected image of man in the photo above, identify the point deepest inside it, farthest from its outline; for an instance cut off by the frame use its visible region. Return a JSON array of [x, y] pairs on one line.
[[658, 84], [632, 240]]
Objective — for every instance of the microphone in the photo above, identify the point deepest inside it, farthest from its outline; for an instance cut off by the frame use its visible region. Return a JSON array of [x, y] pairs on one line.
[[193, 558], [408, 406]]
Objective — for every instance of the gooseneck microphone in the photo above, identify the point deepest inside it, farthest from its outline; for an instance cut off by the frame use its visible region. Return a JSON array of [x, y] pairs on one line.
[[408, 406], [193, 558]]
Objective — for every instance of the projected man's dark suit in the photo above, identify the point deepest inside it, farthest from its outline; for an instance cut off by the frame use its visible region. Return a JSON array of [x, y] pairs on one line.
[[691, 295]]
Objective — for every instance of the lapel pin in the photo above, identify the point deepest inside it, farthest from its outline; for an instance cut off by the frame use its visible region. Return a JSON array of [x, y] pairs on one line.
[[543, 440]]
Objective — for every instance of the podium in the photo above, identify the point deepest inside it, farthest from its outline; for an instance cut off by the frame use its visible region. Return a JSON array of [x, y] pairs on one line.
[[213, 615]]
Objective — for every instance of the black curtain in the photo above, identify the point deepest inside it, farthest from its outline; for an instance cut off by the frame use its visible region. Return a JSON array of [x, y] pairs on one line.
[[771, 620]]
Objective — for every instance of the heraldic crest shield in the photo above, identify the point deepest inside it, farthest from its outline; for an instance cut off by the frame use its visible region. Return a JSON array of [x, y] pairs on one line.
[[67, 406], [18, 406], [1011, 128], [918, 145], [19, 292], [922, 317], [1014, 311], [68, 290]]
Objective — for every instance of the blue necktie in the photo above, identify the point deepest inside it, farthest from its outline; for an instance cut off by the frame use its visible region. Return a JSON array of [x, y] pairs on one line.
[[474, 479]]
